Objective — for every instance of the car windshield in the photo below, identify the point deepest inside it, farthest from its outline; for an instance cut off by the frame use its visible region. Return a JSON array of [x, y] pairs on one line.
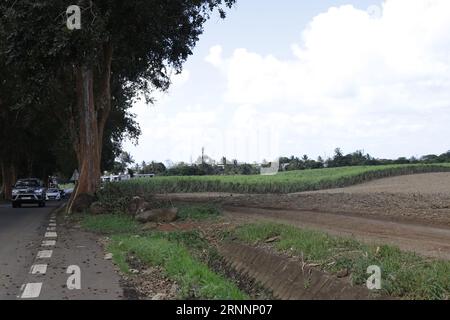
[[27, 183]]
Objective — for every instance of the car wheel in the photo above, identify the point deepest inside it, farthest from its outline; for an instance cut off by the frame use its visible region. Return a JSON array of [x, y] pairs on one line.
[[15, 205]]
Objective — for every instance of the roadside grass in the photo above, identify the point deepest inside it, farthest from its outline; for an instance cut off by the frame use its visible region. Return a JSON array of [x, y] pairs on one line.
[[120, 223], [284, 182], [404, 274], [182, 255], [67, 186], [199, 212], [109, 224], [196, 280]]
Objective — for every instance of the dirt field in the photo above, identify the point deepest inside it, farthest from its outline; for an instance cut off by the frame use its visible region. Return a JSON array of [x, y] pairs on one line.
[[412, 212], [429, 183]]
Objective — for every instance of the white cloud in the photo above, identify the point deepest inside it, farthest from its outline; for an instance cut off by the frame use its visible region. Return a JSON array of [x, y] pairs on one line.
[[215, 56], [350, 60], [180, 79], [355, 80]]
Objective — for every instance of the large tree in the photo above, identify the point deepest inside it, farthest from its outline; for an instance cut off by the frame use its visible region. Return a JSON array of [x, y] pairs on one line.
[[132, 45]]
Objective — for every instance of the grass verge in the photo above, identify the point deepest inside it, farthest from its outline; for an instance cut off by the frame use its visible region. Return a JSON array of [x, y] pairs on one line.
[[119, 223], [196, 280], [200, 212], [182, 255], [109, 224], [404, 274]]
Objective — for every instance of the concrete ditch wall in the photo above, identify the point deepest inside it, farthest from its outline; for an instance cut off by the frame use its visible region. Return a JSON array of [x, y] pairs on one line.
[[286, 278]]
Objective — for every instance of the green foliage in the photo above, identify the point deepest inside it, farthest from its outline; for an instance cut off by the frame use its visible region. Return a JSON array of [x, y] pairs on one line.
[[404, 274], [125, 47], [199, 212], [151, 168], [194, 277], [109, 224], [285, 182], [65, 186]]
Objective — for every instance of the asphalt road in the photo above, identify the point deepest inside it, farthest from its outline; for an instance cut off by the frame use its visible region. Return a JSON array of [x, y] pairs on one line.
[[24, 251], [21, 233]]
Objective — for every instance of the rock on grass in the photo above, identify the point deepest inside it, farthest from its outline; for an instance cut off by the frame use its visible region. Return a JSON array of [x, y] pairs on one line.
[[158, 215]]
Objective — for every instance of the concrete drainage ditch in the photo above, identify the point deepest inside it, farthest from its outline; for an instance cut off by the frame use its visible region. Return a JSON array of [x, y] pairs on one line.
[[286, 279]]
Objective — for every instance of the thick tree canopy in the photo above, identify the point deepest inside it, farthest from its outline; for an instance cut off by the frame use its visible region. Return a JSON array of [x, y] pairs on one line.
[[87, 78]]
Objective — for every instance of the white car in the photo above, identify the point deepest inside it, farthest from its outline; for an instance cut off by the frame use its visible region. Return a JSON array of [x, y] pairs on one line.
[[53, 194]]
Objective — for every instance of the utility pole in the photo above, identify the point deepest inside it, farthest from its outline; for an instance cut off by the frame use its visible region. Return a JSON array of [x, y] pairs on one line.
[[203, 155]]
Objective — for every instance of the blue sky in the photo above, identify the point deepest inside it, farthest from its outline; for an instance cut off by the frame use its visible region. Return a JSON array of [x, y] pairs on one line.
[[268, 26], [303, 77]]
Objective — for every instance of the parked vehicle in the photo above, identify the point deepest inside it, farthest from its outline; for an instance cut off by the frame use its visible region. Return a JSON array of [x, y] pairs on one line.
[[28, 191], [53, 194]]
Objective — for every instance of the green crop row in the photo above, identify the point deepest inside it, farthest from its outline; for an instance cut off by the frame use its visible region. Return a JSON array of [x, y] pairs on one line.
[[284, 182]]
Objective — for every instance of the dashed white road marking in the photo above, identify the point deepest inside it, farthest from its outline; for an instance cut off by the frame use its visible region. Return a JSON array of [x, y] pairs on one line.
[[38, 269], [32, 290], [51, 235], [48, 243], [44, 254]]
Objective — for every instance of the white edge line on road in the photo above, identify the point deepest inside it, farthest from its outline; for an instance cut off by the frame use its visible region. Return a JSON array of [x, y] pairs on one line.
[[32, 290], [38, 269], [51, 235], [45, 254], [48, 243]]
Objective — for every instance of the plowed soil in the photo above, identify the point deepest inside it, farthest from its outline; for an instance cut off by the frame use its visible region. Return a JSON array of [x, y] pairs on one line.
[[412, 212]]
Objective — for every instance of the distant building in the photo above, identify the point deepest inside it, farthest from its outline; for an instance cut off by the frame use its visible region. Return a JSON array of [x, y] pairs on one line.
[[272, 170], [125, 177], [142, 175], [115, 178]]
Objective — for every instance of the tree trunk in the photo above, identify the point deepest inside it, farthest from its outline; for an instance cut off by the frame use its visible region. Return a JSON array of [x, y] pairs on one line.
[[8, 173], [89, 151], [93, 108], [87, 146]]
